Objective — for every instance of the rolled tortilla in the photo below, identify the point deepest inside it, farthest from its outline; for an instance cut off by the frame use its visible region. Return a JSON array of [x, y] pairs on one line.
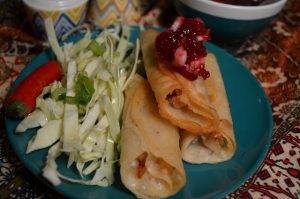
[[183, 102], [150, 160], [220, 145]]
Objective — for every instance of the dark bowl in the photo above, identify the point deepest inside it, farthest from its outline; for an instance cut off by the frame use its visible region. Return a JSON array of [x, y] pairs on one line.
[[230, 22]]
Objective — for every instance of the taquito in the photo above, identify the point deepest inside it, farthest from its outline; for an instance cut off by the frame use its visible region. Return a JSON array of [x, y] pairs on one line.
[[183, 102], [220, 145], [150, 159]]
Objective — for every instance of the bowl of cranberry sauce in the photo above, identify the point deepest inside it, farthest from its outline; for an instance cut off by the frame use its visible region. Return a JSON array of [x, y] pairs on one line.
[[246, 2], [232, 20]]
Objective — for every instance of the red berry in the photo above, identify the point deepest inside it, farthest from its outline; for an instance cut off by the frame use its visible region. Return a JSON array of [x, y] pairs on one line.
[[189, 35]]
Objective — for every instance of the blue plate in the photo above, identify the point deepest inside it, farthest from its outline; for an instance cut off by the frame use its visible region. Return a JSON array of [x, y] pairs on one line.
[[252, 118]]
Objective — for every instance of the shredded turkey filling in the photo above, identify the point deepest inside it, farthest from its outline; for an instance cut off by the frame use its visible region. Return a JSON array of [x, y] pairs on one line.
[[213, 138], [164, 168], [141, 169], [173, 99], [220, 139]]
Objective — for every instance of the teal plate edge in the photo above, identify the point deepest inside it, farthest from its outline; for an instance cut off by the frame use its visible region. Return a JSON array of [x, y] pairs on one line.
[[265, 149], [221, 54]]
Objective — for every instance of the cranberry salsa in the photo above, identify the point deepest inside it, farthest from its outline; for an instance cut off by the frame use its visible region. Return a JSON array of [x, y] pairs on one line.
[[181, 47]]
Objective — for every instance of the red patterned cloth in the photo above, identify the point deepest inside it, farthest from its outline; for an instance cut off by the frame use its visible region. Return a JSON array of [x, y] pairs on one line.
[[273, 57], [10, 67]]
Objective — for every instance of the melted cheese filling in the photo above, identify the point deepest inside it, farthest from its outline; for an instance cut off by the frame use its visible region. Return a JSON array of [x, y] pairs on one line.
[[207, 149], [158, 177]]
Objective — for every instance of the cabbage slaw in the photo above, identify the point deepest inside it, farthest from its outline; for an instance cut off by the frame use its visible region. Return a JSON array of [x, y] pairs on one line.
[[80, 116]]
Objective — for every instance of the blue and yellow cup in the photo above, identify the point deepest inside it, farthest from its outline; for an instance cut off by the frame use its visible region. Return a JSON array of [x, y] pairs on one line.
[[66, 15], [103, 13]]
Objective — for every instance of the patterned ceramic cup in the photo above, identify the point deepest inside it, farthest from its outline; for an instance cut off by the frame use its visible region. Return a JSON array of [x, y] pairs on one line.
[[104, 12], [65, 14]]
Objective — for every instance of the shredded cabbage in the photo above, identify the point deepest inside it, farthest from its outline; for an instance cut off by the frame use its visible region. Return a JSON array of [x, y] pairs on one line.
[[35, 119], [80, 116], [45, 136]]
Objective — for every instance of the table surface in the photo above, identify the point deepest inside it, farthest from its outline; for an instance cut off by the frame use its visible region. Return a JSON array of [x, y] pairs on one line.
[[273, 57]]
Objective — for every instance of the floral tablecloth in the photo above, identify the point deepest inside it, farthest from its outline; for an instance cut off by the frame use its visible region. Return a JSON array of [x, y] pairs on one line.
[[272, 56]]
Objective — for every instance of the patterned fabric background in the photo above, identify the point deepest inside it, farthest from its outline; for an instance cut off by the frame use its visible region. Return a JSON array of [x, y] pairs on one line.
[[272, 56]]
